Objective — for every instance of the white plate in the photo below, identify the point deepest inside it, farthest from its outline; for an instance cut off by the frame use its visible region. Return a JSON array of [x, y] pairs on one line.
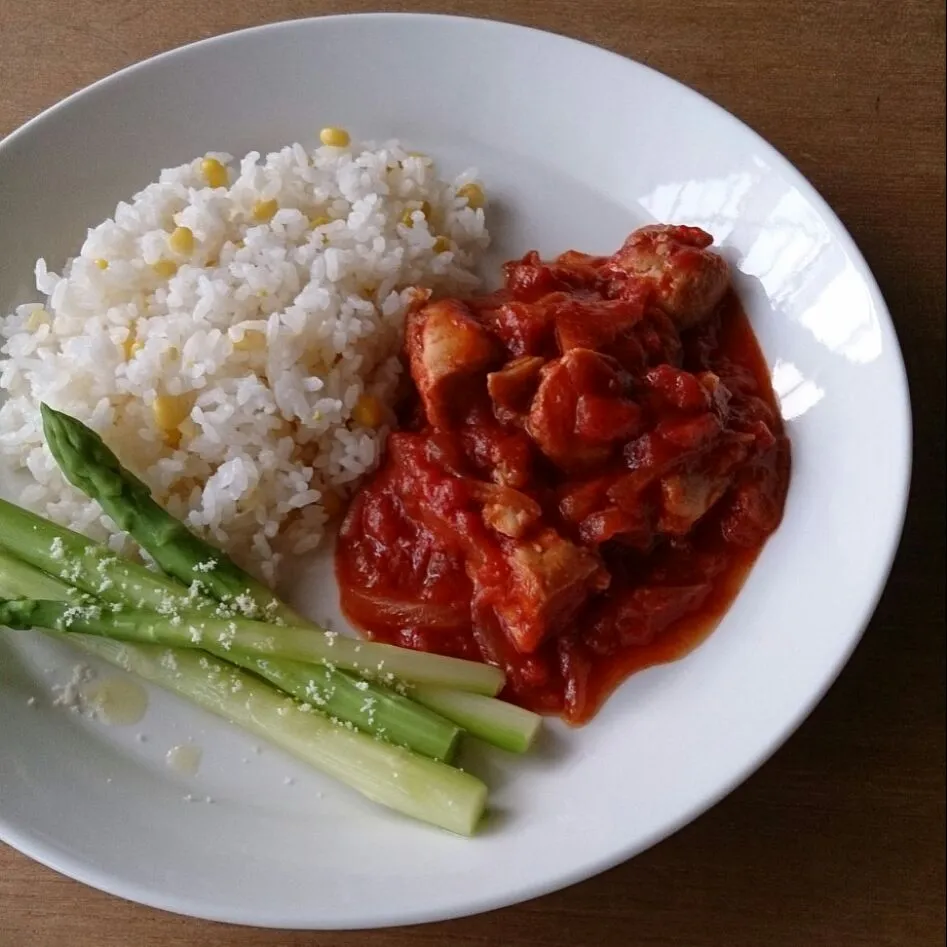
[[577, 147]]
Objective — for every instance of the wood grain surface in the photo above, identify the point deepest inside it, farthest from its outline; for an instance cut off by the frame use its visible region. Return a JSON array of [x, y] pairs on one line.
[[838, 840]]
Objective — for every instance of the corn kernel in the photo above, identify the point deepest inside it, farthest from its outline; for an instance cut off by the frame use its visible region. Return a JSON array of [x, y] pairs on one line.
[[181, 240], [368, 411], [165, 268], [473, 192], [102, 264], [131, 346], [319, 221], [407, 217], [335, 137], [264, 210], [251, 341], [170, 410], [215, 174], [441, 245], [36, 319]]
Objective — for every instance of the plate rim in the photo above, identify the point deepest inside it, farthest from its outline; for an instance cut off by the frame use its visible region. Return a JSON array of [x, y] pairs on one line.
[[49, 855]]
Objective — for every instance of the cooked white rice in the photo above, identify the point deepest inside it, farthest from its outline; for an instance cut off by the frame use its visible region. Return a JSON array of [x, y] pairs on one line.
[[230, 386]]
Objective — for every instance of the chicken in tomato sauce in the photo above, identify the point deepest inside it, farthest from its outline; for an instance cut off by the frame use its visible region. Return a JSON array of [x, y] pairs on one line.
[[589, 461]]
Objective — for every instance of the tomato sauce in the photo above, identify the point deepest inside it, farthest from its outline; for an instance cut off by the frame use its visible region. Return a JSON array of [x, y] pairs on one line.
[[589, 464]]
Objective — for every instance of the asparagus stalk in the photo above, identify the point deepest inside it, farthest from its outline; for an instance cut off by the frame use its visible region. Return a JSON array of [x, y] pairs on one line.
[[89, 465], [241, 636], [88, 565], [495, 721], [370, 707], [18, 579], [390, 775]]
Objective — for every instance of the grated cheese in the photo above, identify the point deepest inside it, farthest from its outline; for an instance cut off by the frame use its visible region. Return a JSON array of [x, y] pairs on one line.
[[70, 694]]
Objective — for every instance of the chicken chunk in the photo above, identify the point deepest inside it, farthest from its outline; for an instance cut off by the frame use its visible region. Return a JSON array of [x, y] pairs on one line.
[[596, 323], [755, 504], [685, 498], [598, 516], [580, 411], [446, 345], [507, 511], [549, 578], [525, 329], [531, 278], [512, 387], [670, 387], [687, 279], [504, 455]]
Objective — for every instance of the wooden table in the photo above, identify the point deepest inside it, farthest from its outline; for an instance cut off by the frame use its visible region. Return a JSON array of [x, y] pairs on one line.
[[839, 840]]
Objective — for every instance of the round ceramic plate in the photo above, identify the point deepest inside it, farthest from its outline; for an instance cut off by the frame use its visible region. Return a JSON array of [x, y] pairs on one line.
[[577, 147]]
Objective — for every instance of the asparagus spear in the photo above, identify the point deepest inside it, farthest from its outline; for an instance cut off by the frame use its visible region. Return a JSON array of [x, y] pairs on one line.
[[391, 775], [90, 466], [370, 707], [241, 636], [18, 579], [503, 724], [87, 565]]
